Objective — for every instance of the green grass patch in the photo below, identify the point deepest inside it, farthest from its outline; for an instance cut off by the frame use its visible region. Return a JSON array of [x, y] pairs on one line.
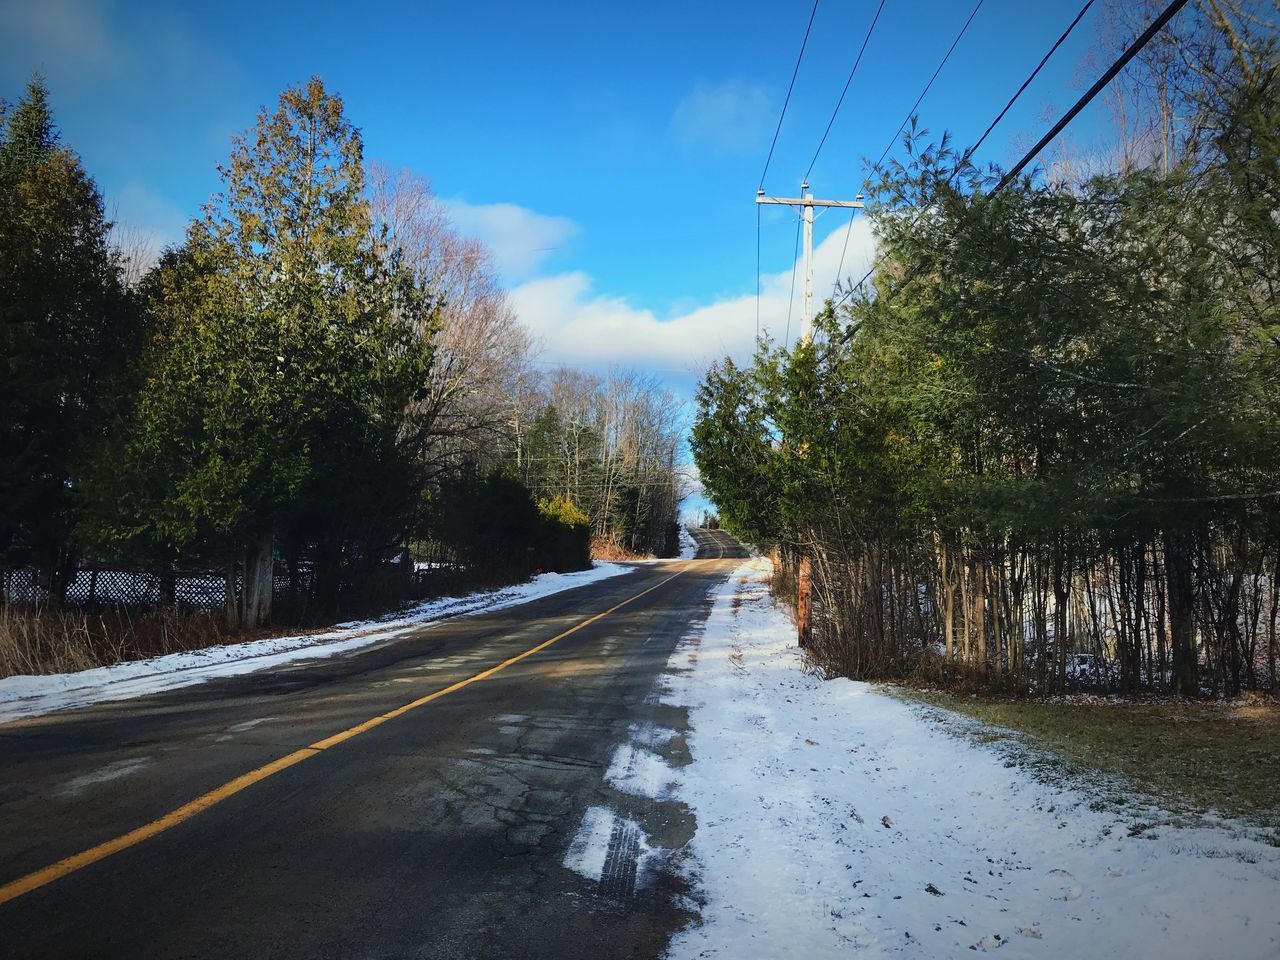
[[1188, 757]]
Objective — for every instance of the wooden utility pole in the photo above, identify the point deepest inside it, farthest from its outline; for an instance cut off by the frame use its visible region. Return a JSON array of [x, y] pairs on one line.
[[805, 203], [804, 595]]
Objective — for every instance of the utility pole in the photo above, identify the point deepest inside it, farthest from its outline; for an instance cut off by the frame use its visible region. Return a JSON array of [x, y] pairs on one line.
[[805, 204]]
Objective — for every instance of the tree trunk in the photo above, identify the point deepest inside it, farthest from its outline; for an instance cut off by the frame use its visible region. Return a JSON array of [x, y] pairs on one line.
[[1181, 590], [1271, 630], [259, 567], [1040, 616], [947, 565], [61, 573], [980, 614], [1162, 628], [231, 603], [1061, 601], [804, 589]]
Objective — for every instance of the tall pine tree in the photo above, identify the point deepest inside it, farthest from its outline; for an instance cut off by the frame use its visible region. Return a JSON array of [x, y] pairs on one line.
[[290, 343], [66, 326]]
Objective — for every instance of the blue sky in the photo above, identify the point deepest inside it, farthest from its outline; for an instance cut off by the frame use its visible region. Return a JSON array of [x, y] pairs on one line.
[[608, 152]]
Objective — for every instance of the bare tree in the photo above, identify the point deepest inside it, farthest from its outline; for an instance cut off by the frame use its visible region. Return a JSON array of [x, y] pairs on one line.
[[136, 251], [1157, 103], [611, 444], [482, 350]]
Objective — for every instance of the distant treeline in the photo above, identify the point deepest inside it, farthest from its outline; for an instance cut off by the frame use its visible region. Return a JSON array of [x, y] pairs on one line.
[[610, 446], [1043, 451], [321, 384]]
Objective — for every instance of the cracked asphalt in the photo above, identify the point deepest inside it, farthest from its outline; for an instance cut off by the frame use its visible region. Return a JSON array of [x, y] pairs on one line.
[[440, 833]]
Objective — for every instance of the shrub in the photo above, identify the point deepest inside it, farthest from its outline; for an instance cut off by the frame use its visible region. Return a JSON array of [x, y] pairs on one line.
[[566, 535]]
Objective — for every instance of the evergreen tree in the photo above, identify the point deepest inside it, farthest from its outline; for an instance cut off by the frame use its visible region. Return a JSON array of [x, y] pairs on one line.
[[1053, 428], [67, 326], [291, 342]]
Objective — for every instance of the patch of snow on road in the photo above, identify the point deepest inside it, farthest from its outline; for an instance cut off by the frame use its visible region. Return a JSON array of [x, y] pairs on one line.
[[641, 772], [650, 735], [112, 771], [248, 724], [833, 818], [27, 696], [591, 843], [614, 852]]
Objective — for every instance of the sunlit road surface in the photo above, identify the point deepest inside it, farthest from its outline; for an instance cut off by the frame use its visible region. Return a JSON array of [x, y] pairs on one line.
[[415, 799]]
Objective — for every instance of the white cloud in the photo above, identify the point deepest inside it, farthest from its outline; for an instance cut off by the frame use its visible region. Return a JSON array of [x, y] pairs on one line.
[[732, 116], [66, 33], [88, 49], [519, 239], [576, 325], [141, 211]]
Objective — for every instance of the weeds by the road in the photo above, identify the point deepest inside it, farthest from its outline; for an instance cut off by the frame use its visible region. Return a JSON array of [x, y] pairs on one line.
[[45, 640], [1192, 757], [606, 551]]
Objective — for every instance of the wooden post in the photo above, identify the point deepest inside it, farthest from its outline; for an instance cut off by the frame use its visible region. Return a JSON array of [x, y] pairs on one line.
[[804, 588]]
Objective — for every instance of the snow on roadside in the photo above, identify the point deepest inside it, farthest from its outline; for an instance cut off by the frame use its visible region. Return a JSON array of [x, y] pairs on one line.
[[26, 696], [833, 818], [688, 545]]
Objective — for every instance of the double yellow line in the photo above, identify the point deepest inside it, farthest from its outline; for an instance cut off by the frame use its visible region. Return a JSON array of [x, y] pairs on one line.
[[55, 871]]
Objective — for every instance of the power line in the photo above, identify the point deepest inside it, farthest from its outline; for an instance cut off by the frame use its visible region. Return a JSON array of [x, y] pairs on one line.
[[1110, 74], [910, 113], [986, 133], [857, 61], [768, 159], [794, 73], [757, 271], [843, 251], [791, 302], [925, 91], [1156, 25], [1027, 82]]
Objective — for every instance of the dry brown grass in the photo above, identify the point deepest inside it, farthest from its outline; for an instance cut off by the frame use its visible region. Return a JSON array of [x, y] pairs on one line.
[[44, 640], [1192, 755], [608, 552]]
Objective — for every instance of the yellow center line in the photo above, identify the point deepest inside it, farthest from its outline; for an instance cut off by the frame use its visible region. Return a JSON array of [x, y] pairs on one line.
[[78, 861]]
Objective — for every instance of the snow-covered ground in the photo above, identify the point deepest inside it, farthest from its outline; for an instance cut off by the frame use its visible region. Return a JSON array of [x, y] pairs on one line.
[[833, 819], [688, 550], [25, 696], [688, 545]]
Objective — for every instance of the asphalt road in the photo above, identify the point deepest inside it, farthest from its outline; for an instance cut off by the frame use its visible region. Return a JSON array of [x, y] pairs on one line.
[[437, 832]]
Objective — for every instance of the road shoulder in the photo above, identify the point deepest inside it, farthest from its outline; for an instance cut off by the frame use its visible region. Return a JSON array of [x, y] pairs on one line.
[[31, 696], [833, 817]]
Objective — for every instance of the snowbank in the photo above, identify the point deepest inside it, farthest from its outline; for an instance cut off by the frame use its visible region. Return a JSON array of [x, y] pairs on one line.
[[688, 545], [25, 696], [833, 818]]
